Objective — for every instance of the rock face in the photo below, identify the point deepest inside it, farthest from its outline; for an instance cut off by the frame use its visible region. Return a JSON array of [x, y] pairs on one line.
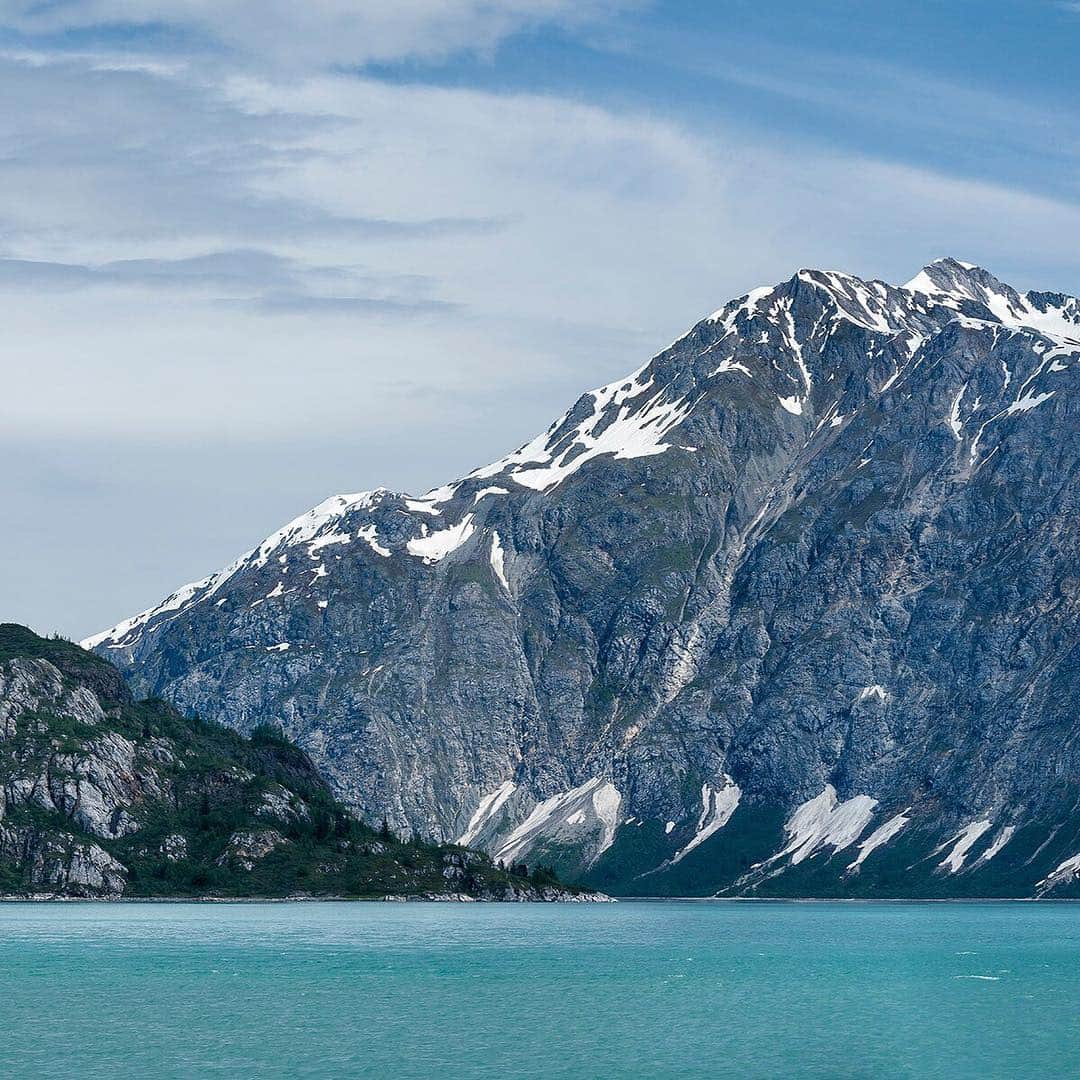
[[247, 847], [790, 610], [104, 796]]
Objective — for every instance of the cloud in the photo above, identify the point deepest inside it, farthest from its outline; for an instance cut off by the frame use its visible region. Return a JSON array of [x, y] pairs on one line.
[[241, 269], [889, 93], [351, 282], [306, 304], [120, 157], [315, 33], [959, 125], [262, 280], [193, 256]]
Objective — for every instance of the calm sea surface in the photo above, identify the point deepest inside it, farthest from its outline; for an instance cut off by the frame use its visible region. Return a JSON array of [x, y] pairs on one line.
[[590, 991]]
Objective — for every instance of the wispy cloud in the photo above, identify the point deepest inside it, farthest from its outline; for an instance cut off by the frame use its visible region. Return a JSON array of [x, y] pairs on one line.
[[305, 35], [307, 304], [480, 238], [903, 113], [120, 157], [269, 281], [218, 270]]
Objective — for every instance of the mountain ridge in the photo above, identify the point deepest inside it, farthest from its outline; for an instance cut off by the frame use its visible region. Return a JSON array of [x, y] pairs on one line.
[[592, 624], [939, 280]]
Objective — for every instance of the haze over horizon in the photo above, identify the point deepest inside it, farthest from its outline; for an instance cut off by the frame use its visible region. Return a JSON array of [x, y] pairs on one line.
[[252, 256]]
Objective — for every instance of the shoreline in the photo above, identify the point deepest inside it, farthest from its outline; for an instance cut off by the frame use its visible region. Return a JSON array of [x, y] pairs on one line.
[[591, 899], [453, 898]]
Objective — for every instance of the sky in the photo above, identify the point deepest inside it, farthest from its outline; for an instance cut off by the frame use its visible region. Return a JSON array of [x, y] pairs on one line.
[[254, 253]]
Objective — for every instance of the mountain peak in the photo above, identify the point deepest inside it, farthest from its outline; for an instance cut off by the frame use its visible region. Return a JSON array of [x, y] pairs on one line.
[[961, 280], [956, 284]]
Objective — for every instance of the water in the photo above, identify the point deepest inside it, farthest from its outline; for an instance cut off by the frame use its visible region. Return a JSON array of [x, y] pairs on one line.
[[476, 991]]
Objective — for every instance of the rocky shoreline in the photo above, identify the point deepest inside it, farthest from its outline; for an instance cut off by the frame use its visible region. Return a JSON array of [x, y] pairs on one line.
[[560, 896]]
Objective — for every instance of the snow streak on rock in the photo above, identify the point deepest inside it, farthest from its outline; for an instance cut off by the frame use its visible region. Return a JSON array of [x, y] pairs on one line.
[[962, 843], [823, 822], [880, 836], [717, 806], [592, 806], [489, 807], [498, 560]]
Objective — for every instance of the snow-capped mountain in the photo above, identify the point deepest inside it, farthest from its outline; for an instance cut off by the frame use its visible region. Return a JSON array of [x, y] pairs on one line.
[[792, 608]]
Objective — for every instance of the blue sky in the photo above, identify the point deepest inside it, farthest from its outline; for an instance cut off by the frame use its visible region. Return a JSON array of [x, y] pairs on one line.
[[984, 90], [253, 253]]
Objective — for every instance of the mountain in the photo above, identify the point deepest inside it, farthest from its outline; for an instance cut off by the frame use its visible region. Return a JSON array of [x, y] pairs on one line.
[[790, 610], [102, 795]]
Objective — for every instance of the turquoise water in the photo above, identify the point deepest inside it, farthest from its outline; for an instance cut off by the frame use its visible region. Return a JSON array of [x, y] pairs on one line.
[[508, 991]]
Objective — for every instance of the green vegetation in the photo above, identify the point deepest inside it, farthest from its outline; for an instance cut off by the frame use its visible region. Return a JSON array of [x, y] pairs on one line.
[[214, 814]]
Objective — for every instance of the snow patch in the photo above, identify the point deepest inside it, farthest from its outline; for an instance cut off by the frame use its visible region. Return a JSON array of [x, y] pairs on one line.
[[598, 799], [489, 806], [325, 541], [370, 534], [746, 305], [945, 287], [438, 545], [881, 835], [998, 843], [717, 806], [954, 414], [1029, 402], [422, 506], [824, 821], [732, 365], [626, 419], [498, 560], [1061, 874], [964, 842]]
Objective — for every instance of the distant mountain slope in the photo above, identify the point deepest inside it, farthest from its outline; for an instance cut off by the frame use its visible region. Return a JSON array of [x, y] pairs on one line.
[[105, 796], [792, 608]]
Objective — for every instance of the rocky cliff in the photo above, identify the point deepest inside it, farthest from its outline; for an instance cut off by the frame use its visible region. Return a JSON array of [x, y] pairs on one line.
[[104, 796], [792, 609]]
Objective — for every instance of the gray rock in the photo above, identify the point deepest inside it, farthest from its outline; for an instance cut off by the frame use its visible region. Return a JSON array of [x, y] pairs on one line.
[[247, 847], [63, 865], [280, 805], [174, 847]]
